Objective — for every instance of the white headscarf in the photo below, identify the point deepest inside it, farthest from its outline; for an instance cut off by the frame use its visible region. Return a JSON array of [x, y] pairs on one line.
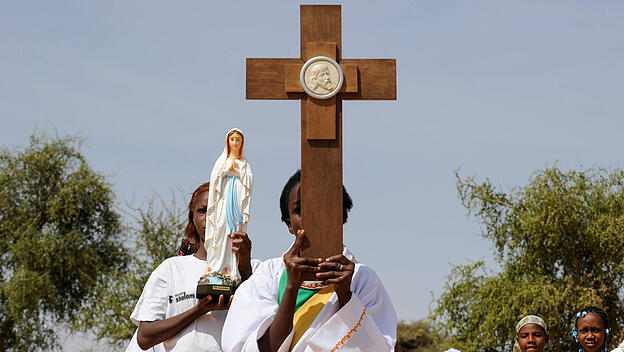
[[529, 319]]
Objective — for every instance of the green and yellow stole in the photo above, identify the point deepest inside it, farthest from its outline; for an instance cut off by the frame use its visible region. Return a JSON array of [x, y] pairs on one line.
[[308, 305]]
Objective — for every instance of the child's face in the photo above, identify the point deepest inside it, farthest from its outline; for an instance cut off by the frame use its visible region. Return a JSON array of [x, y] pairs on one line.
[[591, 332], [294, 210], [531, 337]]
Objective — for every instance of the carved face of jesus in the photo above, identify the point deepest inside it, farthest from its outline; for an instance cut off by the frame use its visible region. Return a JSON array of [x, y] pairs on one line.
[[321, 78], [532, 338], [235, 143], [591, 332], [200, 205]]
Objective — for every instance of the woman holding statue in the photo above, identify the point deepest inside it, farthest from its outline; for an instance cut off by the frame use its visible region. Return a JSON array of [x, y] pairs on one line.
[[169, 310]]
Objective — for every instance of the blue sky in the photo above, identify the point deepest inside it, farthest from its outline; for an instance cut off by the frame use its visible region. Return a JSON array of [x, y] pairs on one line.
[[496, 88]]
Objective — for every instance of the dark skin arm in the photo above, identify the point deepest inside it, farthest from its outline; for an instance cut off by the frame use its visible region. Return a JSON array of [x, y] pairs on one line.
[[283, 322], [241, 245], [152, 333]]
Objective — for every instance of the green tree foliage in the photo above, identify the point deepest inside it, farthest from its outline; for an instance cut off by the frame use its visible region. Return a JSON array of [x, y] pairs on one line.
[[154, 237], [560, 243], [418, 336], [59, 237]]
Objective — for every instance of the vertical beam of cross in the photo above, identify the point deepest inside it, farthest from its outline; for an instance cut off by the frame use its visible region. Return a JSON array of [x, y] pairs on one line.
[[321, 120]]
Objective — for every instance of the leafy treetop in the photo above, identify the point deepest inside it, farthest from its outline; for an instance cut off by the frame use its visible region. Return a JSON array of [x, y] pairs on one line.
[[59, 237], [559, 243]]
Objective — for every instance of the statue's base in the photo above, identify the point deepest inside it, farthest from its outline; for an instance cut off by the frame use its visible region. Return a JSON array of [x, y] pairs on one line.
[[214, 290]]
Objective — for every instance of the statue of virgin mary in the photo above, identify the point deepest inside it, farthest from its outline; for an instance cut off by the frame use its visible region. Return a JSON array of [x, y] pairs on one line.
[[229, 197]]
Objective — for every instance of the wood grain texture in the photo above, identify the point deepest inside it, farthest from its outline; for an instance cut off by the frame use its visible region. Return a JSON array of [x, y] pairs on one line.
[[265, 79], [292, 84], [376, 79], [321, 160], [350, 84], [328, 49], [321, 188], [320, 23], [321, 118]]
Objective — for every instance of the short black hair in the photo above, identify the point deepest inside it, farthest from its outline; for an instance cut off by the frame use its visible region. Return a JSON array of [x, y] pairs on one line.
[[295, 179]]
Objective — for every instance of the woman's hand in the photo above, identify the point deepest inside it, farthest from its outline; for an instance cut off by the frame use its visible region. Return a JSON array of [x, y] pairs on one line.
[[241, 245], [154, 332], [296, 265], [205, 305], [338, 270]]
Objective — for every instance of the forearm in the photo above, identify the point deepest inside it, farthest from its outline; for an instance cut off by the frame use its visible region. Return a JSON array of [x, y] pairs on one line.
[[152, 333], [282, 325], [244, 268], [343, 297]]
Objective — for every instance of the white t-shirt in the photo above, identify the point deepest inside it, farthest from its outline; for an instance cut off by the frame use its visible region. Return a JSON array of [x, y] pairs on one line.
[[134, 345], [169, 291]]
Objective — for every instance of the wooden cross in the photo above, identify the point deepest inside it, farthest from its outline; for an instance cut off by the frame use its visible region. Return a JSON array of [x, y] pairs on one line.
[[321, 120]]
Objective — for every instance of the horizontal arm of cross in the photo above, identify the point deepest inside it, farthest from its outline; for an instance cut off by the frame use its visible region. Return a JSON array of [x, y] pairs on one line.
[[365, 79], [265, 79], [376, 79]]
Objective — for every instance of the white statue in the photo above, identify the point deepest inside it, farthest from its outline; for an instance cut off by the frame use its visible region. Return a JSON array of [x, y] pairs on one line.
[[229, 197]]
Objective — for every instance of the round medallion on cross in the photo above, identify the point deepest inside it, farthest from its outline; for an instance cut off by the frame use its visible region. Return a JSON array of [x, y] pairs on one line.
[[321, 77]]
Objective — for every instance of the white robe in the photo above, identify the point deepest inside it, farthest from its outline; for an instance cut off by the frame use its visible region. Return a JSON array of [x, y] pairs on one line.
[[366, 323]]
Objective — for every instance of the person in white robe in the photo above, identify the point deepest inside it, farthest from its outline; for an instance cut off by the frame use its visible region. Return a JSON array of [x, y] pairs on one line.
[[349, 311]]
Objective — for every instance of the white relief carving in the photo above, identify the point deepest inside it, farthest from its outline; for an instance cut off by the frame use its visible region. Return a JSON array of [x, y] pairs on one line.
[[321, 77]]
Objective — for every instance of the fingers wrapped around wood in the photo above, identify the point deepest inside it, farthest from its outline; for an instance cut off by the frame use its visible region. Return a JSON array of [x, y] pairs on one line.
[[303, 264], [337, 262]]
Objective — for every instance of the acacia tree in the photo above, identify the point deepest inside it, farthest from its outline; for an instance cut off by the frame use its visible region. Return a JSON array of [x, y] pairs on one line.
[[152, 238], [418, 336], [59, 237], [559, 241]]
